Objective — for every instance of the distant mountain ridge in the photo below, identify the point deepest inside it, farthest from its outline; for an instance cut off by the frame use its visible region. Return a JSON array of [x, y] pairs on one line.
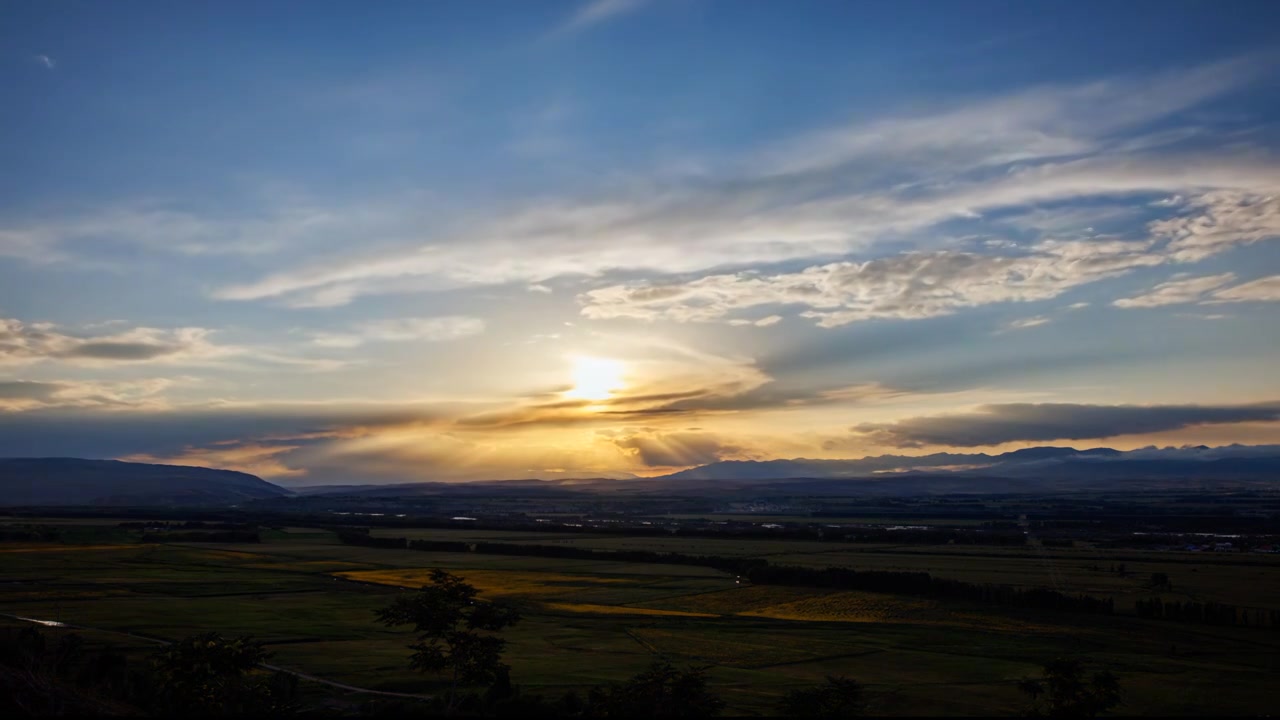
[[1034, 469], [1254, 461], [75, 481], [71, 481]]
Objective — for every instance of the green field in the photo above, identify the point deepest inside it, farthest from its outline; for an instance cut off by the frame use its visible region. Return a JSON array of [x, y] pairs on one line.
[[588, 622]]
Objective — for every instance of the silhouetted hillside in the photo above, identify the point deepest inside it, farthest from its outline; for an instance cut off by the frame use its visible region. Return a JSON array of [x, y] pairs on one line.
[[72, 481]]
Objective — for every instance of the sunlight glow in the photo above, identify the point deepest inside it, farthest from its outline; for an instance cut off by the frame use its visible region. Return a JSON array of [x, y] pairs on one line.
[[595, 378]]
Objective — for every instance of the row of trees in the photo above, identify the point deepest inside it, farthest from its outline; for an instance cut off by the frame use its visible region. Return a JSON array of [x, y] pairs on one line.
[[223, 536], [30, 533], [923, 584], [1209, 613]]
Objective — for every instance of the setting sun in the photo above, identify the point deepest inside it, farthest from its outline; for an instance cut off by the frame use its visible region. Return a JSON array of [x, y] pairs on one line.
[[595, 378]]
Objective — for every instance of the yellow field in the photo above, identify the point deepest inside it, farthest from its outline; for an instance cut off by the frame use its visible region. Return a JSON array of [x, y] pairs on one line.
[[733, 601], [315, 565], [847, 606], [620, 610], [225, 554]]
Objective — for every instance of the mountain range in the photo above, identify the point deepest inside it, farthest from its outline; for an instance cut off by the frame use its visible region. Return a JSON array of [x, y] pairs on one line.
[[1198, 462], [74, 481]]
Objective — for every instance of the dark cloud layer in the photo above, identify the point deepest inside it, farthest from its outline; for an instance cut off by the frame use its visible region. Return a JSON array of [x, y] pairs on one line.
[[1014, 422], [27, 390], [120, 350], [71, 433]]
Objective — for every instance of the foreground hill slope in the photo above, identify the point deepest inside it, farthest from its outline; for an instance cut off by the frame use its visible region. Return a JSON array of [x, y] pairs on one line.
[[73, 481]]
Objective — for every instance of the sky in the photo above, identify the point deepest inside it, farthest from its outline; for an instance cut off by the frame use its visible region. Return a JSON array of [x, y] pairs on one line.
[[345, 243]]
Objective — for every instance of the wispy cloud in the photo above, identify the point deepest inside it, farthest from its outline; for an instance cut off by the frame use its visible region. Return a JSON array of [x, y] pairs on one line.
[[1265, 289], [906, 286], [1176, 292], [1024, 323], [48, 62], [836, 193], [429, 329], [26, 395], [30, 343], [598, 11], [1206, 290], [1218, 221]]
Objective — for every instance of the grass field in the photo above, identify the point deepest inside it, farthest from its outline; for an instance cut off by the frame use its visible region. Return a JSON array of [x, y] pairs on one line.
[[1247, 580], [587, 622]]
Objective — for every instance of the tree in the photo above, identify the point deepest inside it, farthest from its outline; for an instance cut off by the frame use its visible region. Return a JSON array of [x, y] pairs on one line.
[[1064, 693], [209, 675], [661, 691], [452, 628], [839, 697]]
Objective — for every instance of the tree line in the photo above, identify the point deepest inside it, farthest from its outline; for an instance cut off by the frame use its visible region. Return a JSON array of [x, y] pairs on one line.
[[1208, 613], [224, 536]]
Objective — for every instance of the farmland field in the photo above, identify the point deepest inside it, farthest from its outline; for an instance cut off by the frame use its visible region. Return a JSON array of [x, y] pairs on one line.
[[312, 600]]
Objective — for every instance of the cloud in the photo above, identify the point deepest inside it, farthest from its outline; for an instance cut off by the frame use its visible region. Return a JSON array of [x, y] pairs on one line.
[[674, 449], [48, 62], [837, 192], [253, 458], [1030, 322], [1218, 221], [25, 395], [598, 11], [1176, 292], [668, 381], [1265, 289], [762, 322], [170, 430], [79, 235], [27, 343], [1014, 422], [905, 286], [430, 329], [1206, 290], [1041, 123]]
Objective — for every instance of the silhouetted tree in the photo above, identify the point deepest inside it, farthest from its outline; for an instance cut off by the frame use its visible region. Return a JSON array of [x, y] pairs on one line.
[[1064, 691], [453, 632], [838, 697], [209, 675], [661, 691]]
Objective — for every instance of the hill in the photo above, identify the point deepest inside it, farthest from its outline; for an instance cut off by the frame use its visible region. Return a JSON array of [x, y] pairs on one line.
[[73, 481]]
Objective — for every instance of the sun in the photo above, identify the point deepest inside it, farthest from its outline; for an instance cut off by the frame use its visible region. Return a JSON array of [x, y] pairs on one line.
[[595, 378]]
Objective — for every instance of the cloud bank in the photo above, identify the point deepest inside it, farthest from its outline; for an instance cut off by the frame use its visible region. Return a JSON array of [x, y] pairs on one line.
[[1028, 422]]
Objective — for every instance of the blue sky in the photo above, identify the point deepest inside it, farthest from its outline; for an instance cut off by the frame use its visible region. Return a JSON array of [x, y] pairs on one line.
[[455, 240]]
